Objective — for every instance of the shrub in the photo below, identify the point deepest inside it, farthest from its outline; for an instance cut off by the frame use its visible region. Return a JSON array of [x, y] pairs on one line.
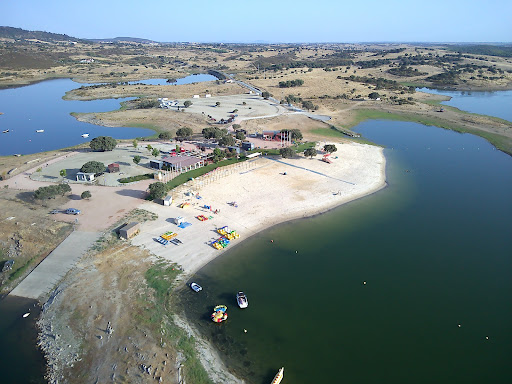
[[86, 195], [93, 167], [103, 143]]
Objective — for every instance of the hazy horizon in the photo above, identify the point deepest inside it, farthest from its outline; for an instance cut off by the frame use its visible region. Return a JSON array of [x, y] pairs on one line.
[[270, 22]]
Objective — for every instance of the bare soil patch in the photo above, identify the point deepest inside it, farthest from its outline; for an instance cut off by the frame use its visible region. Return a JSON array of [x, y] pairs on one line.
[[28, 233]]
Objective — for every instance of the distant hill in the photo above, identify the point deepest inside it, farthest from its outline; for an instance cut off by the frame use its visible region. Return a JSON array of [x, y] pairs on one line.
[[22, 34], [124, 40]]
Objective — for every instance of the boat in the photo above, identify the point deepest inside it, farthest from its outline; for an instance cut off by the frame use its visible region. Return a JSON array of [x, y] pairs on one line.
[[196, 287], [279, 376], [26, 314], [219, 314], [39, 130], [85, 135], [241, 299], [5, 131]]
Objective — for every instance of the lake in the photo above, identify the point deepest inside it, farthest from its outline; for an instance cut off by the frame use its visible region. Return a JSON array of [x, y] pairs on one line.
[[495, 103], [433, 249], [40, 106]]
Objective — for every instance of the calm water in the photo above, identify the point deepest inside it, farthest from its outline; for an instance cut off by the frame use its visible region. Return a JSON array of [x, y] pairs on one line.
[[20, 360], [497, 103], [40, 106], [197, 78], [434, 249]]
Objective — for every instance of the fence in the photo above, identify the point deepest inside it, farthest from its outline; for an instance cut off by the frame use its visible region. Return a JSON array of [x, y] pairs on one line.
[[213, 176]]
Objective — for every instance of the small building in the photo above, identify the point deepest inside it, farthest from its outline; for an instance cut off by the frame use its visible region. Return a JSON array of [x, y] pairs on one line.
[[208, 95], [195, 97], [156, 164], [129, 230], [84, 176], [253, 155], [167, 200], [182, 163], [233, 148], [247, 146], [114, 167]]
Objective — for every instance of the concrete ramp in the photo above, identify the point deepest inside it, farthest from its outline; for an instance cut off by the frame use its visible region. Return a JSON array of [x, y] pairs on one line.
[[53, 268]]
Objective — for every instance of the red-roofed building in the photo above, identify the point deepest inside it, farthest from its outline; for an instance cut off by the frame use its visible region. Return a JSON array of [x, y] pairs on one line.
[[114, 167]]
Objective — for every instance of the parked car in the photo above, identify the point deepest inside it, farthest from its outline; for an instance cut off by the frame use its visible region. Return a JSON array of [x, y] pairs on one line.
[[72, 211]]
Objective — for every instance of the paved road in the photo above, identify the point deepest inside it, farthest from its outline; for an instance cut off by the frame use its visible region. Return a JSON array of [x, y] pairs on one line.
[[53, 268]]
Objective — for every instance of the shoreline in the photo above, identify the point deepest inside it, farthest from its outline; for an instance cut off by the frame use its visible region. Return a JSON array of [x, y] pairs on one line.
[[264, 197]]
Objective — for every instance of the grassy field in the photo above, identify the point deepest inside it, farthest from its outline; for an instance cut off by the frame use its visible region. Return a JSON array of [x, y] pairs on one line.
[[160, 278]]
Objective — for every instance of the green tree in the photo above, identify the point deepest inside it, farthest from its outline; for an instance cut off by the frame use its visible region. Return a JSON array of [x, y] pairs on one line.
[[63, 172], [165, 135], [86, 195], [296, 134], [63, 189], [306, 104], [227, 140], [240, 136], [155, 152], [149, 147], [330, 148], [236, 126], [136, 159], [184, 132], [157, 190], [187, 103], [135, 143], [244, 103], [49, 192], [287, 152], [213, 133], [218, 155], [310, 152], [374, 95], [265, 95], [217, 104], [93, 167], [103, 143]]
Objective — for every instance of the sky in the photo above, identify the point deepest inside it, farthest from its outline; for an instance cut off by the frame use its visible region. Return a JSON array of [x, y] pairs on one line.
[[273, 21]]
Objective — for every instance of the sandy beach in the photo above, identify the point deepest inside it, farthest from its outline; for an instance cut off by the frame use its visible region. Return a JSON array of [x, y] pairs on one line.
[[264, 196]]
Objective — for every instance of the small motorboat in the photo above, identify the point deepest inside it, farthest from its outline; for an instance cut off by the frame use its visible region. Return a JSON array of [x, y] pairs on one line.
[[5, 131], [241, 299], [196, 287], [85, 135], [219, 314], [39, 130], [26, 314], [279, 376]]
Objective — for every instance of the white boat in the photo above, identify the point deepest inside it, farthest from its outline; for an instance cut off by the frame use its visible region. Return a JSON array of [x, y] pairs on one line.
[[5, 131], [196, 287], [85, 135], [241, 299], [39, 130], [26, 314], [279, 376]]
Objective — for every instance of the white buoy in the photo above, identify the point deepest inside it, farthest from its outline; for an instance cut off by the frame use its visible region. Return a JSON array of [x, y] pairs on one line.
[[296, 251], [364, 282], [245, 330], [459, 325], [486, 337]]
